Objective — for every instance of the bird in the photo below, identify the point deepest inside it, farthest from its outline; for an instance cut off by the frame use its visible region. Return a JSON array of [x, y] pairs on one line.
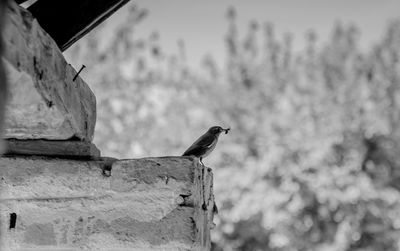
[[204, 145]]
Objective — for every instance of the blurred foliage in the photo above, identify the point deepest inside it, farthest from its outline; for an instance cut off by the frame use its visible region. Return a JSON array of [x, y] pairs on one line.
[[312, 161]]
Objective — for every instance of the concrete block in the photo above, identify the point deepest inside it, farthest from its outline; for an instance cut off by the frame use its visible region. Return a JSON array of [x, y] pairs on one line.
[[45, 102], [142, 204]]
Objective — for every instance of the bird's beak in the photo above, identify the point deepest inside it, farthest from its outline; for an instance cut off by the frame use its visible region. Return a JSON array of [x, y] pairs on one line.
[[226, 130]]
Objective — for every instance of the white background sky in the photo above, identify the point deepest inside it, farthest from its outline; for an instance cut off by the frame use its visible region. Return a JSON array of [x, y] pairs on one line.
[[202, 24]]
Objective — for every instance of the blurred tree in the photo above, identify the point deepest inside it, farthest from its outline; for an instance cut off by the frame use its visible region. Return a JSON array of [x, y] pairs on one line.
[[312, 162]]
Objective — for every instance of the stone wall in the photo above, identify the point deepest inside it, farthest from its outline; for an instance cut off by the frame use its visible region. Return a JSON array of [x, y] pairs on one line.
[[45, 102], [143, 204], [57, 192], [3, 83]]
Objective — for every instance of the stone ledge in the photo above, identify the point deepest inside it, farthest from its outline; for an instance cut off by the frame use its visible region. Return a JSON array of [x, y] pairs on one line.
[[55, 148], [45, 102], [72, 205]]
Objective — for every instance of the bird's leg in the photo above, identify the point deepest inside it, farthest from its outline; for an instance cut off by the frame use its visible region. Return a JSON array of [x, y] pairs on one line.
[[201, 161]]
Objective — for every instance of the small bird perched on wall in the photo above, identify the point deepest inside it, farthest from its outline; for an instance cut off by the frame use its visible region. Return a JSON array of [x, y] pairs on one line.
[[204, 145]]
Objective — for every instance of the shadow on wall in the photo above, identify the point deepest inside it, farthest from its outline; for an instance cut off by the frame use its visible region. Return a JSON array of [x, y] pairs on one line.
[[3, 83]]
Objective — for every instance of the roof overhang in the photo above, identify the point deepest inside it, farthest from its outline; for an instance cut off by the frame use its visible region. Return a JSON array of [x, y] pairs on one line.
[[66, 21]]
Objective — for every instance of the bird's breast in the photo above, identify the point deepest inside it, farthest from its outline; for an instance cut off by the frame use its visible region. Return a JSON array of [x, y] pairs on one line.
[[211, 148]]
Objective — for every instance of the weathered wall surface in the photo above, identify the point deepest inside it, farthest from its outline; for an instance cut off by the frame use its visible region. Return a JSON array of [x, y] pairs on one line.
[[3, 83], [142, 204], [45, 102], [63, 194]]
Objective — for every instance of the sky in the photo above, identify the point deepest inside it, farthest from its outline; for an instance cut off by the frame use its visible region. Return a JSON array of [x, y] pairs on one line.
[[202, 24]]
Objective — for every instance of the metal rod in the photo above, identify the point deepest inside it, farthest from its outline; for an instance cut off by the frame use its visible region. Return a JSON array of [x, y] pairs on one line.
[[77, 74]]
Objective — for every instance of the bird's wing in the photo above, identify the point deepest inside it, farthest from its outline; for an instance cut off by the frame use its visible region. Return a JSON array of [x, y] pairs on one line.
[[202, 144]]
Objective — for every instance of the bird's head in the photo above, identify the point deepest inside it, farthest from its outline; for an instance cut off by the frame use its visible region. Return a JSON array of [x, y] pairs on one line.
[[216, 130]]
